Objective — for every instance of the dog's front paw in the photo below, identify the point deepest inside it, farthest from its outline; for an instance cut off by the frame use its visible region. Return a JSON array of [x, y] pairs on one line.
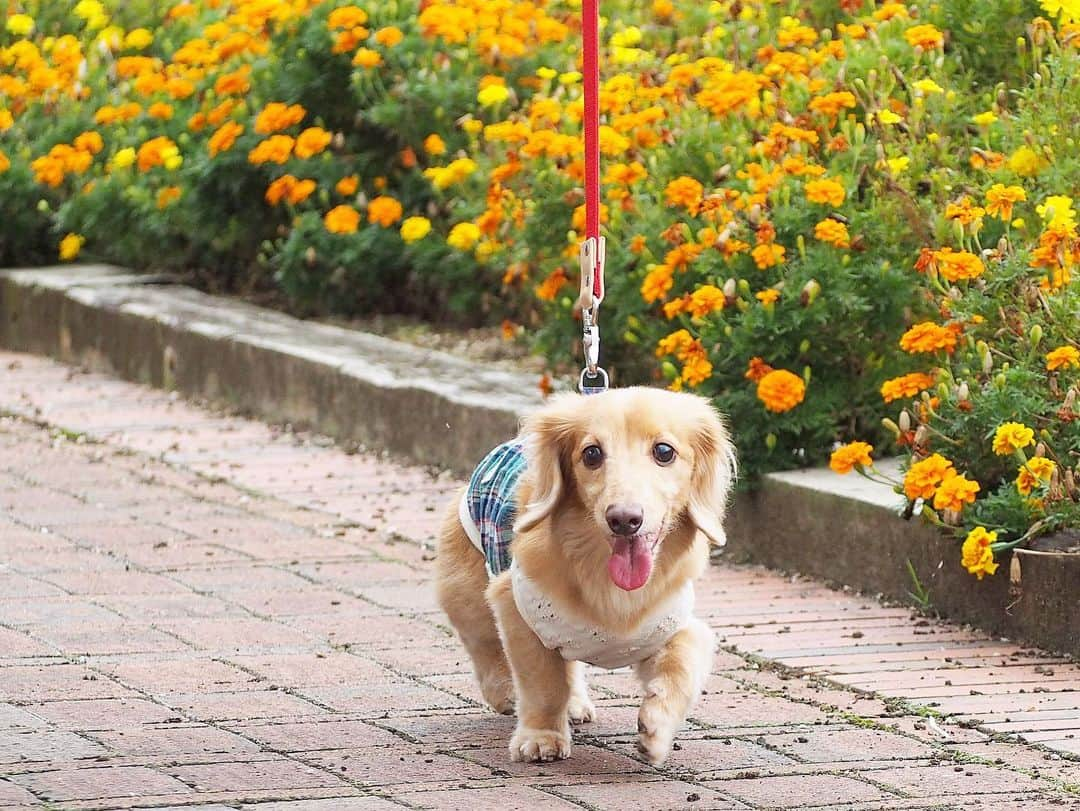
[[537, 745], [499, 694], [656, 728], [581, 709]]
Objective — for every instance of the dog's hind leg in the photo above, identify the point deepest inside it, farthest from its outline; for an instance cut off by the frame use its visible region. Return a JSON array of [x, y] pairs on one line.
[[580, 708], [462, 580], [673, 678]]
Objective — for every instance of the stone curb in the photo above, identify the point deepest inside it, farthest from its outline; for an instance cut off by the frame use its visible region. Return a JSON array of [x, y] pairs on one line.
[[428, 406], [436, 409]]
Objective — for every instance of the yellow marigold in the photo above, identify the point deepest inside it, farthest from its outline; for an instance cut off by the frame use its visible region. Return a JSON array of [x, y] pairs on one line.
[[706, 299], [923, 478], [686, 192], [347, 185], [766, 256], [657, 283], [781, 390], [277, 116], [70, 246], [275, 149], [415, 229], [977, 554], [954, 492], [1037, 471], [224, 137], [1001, 198], [434, 145], [463, 236], [768, 296], [833, 232], [1011, 437], [905, 386], [927, 37], [342, 220], [311, 142], [20, 24], [492, 95], [1064, 357], [958, 265], [1057, 212], [346, 17], [1025, 162], [847, 457], [7, 120], [138, 39], [928, 337], [389, 36], [123, 158], [826, 191], [384, 211], [367, 58]]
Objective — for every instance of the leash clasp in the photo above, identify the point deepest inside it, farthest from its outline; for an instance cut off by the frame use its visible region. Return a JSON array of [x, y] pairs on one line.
[[593, 254]]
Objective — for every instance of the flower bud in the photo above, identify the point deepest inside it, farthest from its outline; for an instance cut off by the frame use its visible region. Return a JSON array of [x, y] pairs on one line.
[[905, 421], [922, 433], [770, 441], [809, 293], [729, 289], [1036, 335], [744, 288], [1040, 449], [804, 346], [962, 392], [891, 427]]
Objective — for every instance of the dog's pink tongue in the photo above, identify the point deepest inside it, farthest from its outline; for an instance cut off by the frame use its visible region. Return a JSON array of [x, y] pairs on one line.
[[630, 563]]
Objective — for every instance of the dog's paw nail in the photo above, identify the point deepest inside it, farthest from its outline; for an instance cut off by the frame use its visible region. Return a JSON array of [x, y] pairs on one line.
[[537, 746], [581, 711]]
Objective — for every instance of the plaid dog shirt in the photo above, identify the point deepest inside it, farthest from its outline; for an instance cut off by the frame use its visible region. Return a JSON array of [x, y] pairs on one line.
[[488, 506]]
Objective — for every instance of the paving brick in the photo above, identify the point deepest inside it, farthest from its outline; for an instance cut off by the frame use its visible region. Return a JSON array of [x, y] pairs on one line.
[[833, 745], [56, 681], [158, 676], [230, 635], [98, 783], [245, 776], [314, 669], [20, 645], [104, 713], [242, 705], [27, 745], [332, 804], [932, 781], [631, 796], [386, 766], [312, 735], [509, 798], [14, 796], [799, 791], [172, 741]]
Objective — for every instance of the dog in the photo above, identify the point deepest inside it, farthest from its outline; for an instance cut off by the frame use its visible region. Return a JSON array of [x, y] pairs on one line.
[[614, 499]]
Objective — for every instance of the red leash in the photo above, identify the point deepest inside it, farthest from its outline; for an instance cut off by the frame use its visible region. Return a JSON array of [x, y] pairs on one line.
[[593, 378]]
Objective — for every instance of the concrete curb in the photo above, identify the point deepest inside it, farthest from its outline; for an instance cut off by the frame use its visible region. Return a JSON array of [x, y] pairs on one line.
[[430, 407], [436, 409]]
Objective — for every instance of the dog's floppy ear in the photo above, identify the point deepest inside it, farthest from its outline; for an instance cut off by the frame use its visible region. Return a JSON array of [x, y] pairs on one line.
[[715, 469], [546, 434]]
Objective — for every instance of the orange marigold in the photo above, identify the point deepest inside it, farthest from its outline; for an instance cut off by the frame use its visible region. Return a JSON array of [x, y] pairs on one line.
[[549, 288], [657, 283], [756, 369], [847, 457], [224, 138], [342, 220], [923, 478], [826, 191], [311, 141], [1064, 357], [384, 211], [833, 232], [925, 36], [927, 336], [954, 492], [686, 192], [781, 390], [275, 149], [958, 265], [277, 116], [905, 386]]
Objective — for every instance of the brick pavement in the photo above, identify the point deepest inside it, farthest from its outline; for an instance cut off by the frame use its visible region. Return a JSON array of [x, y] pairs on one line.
[[202, 611]]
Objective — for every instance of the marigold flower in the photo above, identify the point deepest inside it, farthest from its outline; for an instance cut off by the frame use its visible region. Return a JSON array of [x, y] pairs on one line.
[[347, 185], [1064, 357], [697, 368], [123, 158], [275, 149], [768, 296], [905, 386], [928, 337], [70, 246], [89, 141], [977, 554], [548, 289], [757, 369], [342, 220], [389, 36], [463, 236], [833, 232], [964, 211], [434, 145], [367, 58], [826, 191], [1000, 199], [1025, 162], [138, 39], [160, 110], [1011, 437], [832, 104], [1057, 212], [658, 281], [160, 151], [346, 17], [19, 24], [311, 142], [923, 477], [1035, 472], [677, 343], [223, 138], [766, 256], [927, 37], [384, 211], [781, 390], [5, 163], [958, 265], [686, 192], [492, 95], [954, 492], [415, 229], [277, 116], [705, 300], [847, 457]]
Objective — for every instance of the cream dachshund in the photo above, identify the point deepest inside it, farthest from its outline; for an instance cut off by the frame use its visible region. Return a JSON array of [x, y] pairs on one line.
[[579, 542]]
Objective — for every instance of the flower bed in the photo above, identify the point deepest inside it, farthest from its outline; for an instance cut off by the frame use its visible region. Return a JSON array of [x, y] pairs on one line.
[[803, 204]]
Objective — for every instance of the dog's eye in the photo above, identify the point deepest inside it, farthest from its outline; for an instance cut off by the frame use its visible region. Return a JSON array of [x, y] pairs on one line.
[[663, 453], [592, 457]]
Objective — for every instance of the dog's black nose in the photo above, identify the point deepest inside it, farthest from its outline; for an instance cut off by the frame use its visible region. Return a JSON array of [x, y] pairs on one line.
[[624, 519]]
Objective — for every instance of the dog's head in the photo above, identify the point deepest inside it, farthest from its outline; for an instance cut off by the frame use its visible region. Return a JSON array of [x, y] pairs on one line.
[[638, 462]]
